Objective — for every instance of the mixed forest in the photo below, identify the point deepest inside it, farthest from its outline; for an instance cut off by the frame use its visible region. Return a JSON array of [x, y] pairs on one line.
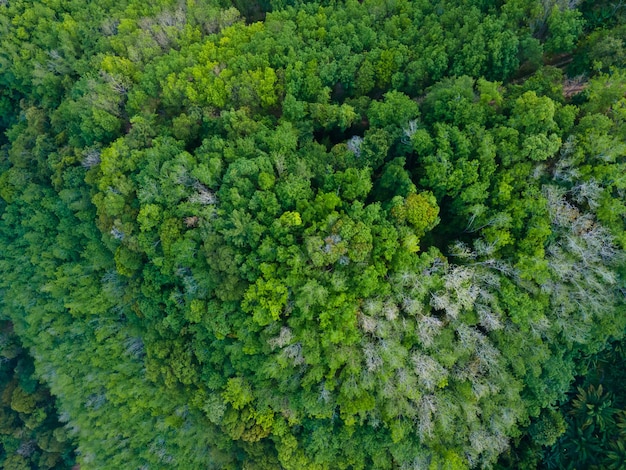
[[334, 234]]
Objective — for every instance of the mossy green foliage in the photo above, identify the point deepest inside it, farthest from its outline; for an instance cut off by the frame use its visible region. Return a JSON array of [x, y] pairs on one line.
[[340, 237], [30, 433]]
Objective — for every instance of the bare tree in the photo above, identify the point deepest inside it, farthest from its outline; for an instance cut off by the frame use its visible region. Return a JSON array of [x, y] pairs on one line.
[[427, 329], [91, 158], [293, 353], [429, 372], [373, 361], [202, 195], [354, 145], [283, 339], [426, 410]]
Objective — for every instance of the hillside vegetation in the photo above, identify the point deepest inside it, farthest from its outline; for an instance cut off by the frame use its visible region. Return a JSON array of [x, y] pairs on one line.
[[312, 235]]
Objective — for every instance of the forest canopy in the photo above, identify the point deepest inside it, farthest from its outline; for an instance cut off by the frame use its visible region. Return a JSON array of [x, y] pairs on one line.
[[284, 234]]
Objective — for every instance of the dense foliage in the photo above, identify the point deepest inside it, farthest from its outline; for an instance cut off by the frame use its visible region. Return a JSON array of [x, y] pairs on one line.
[[30, 434], [595, 417], [587, 431], [373, 234]]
